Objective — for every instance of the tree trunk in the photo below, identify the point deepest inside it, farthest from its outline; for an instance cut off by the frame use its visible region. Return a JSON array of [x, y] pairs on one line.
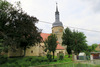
[[24, 51], [53, 54]]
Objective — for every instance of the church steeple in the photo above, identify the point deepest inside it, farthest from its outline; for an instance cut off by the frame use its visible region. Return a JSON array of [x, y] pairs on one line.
[[57, 19], [57, 26], [56, 7], [57, 13]]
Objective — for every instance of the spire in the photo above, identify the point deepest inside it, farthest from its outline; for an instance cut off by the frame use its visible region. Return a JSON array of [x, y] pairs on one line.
[[57, 18], [56, 7], [56, 13]]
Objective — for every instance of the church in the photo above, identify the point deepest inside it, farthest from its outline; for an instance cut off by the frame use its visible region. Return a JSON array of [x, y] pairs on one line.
[[38, 49]]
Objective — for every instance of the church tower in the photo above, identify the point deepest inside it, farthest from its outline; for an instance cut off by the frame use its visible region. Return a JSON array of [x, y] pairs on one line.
[[57, 26]]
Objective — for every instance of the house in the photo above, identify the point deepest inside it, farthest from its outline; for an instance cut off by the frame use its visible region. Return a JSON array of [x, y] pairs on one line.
[[97, 48], [96, 55]]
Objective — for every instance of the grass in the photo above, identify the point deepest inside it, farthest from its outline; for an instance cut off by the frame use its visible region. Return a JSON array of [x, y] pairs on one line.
[[41, 62], [31, 61]]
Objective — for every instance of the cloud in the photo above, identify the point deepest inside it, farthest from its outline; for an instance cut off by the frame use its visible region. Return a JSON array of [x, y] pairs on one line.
[[95, 5]]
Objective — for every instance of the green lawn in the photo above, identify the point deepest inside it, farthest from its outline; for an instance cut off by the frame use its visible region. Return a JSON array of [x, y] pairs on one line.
[[38, 61], [31, 61]]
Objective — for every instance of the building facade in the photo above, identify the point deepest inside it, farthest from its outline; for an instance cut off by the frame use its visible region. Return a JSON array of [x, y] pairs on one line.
[[96, 55], [98, 48]]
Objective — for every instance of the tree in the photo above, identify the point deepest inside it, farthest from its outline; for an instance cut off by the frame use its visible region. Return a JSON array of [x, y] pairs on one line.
[[1, 47], [28, 32], [74, 40], [20, 28], [79, 42], [94, 46], [67, 40], [51, 43], [4, 12]]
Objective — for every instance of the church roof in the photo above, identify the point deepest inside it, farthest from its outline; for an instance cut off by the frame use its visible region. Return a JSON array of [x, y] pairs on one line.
[[59, 47], [57, 23], [44, 36]]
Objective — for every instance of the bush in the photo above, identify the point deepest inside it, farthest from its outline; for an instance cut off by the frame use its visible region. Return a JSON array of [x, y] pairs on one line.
[[3, 59], [49, 56], [61, 57], [28, 59], [88, 57], [54, 60]]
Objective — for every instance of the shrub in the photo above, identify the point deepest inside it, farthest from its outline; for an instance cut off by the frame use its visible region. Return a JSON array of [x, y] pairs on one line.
[[54, 60], [61, 57], [88, 57], [3, 59], [49, 56], [28, 59]]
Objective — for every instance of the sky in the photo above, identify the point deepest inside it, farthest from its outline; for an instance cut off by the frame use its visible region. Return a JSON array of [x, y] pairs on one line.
[[74, 14]]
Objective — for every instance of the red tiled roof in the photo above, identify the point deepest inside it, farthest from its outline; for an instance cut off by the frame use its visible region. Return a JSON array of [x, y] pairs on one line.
[[57, 42], [59, 47], [44, 36]]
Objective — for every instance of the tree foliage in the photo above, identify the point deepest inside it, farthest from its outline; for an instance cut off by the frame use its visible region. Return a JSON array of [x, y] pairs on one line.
[[92, 47], [51, 43], [79, 42], [67, 40], [74, 40], [17, 27], [4, 17]]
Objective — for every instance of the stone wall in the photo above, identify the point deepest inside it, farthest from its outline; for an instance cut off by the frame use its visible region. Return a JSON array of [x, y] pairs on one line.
[[57, 51], [32, 51], [17, 52], [58, 31]]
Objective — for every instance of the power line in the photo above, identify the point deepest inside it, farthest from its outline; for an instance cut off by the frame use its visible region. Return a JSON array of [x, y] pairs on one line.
[[45, 22], [73, 27]]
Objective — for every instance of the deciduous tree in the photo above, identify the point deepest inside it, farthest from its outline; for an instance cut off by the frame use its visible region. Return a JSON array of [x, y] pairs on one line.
[[79, 42], [17, 27], [51, 43], [74, 40], [67, 40]]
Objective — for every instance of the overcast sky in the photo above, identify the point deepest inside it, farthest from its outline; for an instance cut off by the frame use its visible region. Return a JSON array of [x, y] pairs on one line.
[[73, 13]]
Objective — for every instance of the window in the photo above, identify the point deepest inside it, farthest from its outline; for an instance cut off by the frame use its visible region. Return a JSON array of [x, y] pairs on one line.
[[31, 51]]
